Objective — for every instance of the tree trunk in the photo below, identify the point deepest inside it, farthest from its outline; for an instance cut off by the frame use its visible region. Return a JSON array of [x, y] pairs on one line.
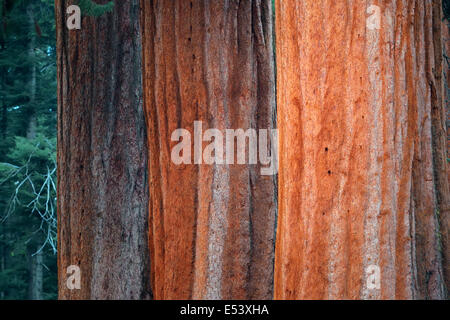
[[211, 226], [31, 108], [360, 182], [4, 123], [4, 110], [102, 156], [2, 257], [36, 274], [444, 215], [4, 107]]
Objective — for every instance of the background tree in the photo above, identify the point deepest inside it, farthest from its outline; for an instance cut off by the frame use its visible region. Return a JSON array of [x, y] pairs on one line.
[[27, 150], [102, 155], [362, 178]]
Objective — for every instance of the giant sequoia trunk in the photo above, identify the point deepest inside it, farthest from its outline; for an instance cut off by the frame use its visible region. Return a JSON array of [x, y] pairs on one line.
[[211, 226], [445, 220], [362, 150], [102, 157]]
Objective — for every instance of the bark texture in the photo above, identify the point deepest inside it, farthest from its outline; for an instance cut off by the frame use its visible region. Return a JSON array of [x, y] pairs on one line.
[[31, 112], [35, 256], [102, 156], [362, 144], [445, 219], [36, 274], [211, 226]]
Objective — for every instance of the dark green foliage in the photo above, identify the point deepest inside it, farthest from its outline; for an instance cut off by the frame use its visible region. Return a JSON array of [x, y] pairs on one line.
[[93, 9], [27, 162], [446, 8]]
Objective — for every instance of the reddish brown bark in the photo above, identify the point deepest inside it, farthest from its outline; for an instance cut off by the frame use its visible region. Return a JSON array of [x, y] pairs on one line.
[[211, 226], [102, 156], [360, 119]]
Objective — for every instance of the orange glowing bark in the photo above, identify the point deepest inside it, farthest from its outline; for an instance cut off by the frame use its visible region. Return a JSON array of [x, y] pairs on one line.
[[361, 164], [212, 226]]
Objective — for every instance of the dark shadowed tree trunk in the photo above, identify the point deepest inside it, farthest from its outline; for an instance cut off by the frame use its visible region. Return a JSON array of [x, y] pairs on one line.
[[2, 266], [445, 216], [211, 226], [35, 255], [36, 273], [31, 108], [4, 107], [362, 150], [102, 157]]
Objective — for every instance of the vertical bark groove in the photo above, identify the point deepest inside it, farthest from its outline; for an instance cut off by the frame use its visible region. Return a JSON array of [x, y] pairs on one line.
[[102, 156], [212, 226], [444, 215], [359, 113]]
